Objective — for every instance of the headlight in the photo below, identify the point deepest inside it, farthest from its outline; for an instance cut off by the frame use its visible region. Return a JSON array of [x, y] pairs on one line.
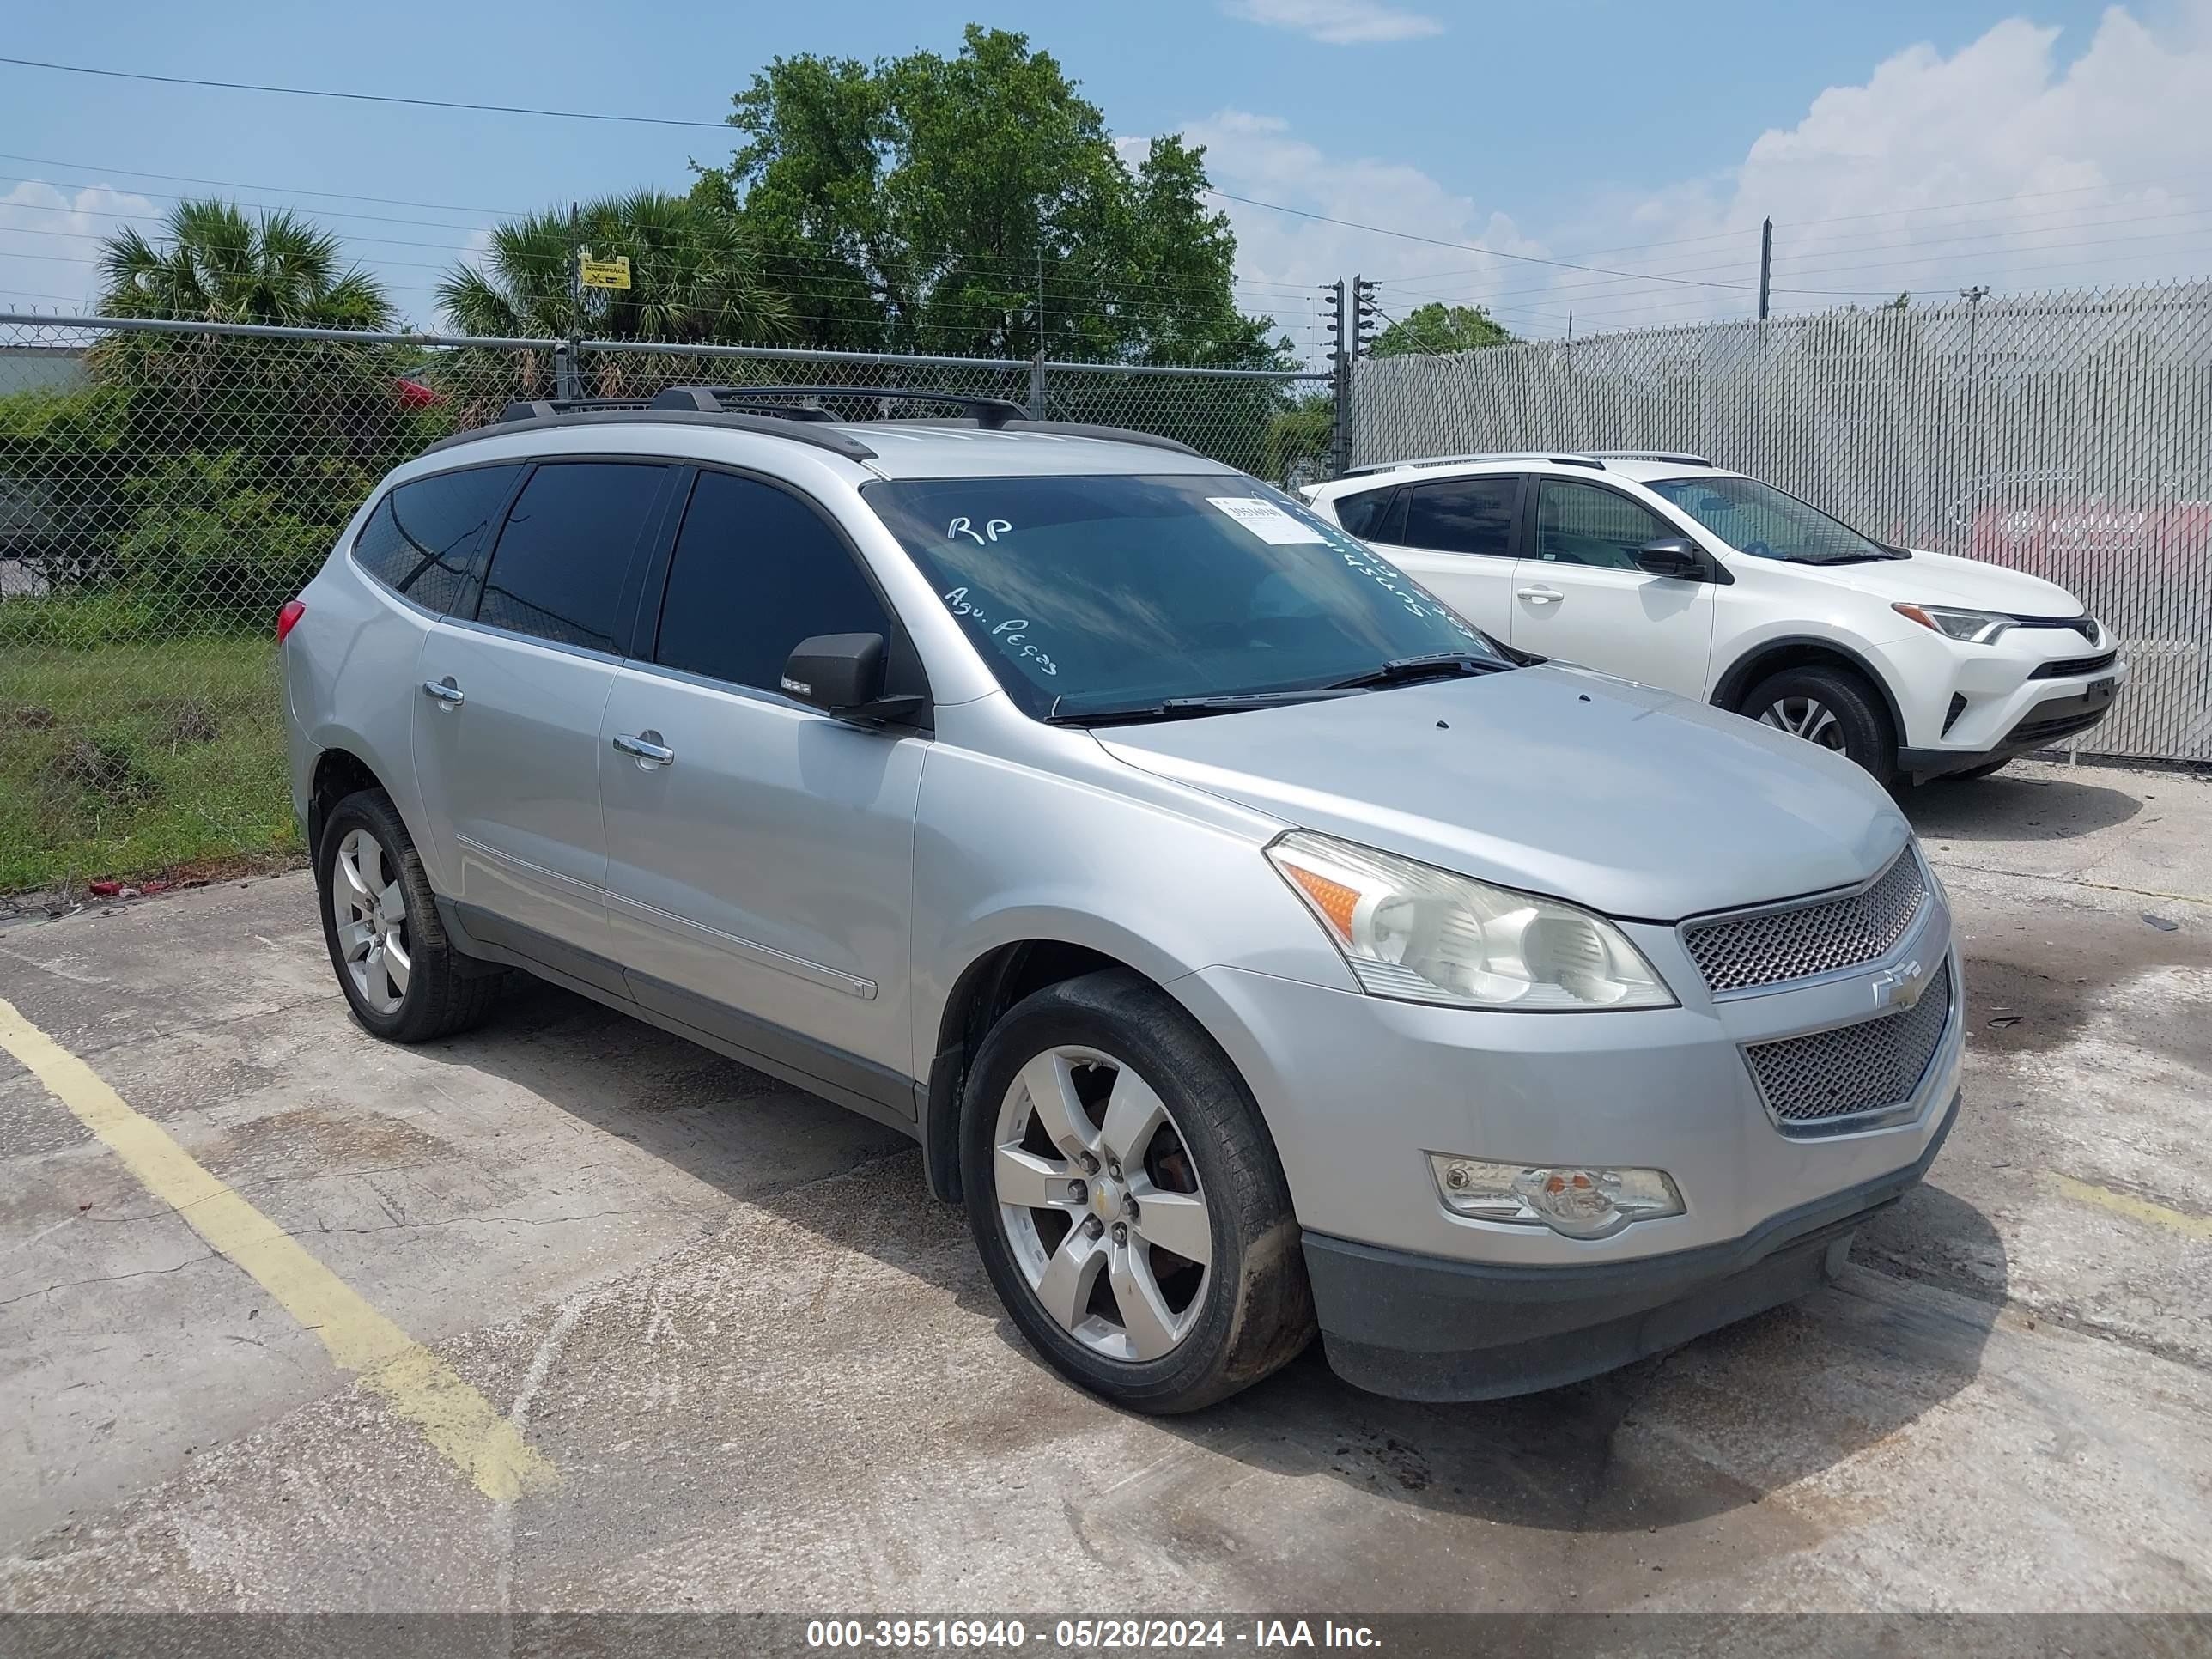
[[1423, 934], [1587, 1202], [1974, 627]]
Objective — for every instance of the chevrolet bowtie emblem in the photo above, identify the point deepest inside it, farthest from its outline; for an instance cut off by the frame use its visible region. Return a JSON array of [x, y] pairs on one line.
[[1899, 987]]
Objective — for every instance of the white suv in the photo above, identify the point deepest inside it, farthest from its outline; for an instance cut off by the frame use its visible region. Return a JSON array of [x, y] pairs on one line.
[[1666, 569]]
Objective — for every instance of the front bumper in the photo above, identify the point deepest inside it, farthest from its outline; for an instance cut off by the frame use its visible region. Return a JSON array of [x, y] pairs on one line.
[[1424, 1328], [2061, 715], [1965, 705], [1357, 1090]]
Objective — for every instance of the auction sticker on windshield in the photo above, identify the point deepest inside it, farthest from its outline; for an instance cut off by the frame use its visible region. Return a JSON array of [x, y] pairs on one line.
[[1265, 519]]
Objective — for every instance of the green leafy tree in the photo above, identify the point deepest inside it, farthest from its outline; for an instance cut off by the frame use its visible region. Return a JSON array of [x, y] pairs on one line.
[[1301, 439], [694, 275], [1437, 327], [978, 205], [211, 262]]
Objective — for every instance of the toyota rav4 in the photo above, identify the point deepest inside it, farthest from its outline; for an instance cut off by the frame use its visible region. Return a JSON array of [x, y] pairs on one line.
[[1668, 570]]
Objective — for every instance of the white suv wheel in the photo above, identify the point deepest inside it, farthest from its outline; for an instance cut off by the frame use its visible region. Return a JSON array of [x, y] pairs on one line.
[[1807, 718]]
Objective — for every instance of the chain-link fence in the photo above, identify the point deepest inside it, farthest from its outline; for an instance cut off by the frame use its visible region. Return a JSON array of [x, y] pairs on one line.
[[2068, 436], [164, 488]]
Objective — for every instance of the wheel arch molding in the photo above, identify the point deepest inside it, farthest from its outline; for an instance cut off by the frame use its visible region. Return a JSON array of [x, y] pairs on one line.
[[1771, 656], [999, 972]]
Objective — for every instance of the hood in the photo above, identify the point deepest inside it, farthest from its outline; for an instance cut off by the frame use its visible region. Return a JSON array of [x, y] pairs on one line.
[[1946, 579], [1630, 801]]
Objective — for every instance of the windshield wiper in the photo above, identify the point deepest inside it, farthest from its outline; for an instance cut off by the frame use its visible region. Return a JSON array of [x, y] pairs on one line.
[[1170, 709], [1404, 670]]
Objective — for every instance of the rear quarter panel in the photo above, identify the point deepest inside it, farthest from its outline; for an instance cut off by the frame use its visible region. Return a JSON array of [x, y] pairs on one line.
[[349, 672]]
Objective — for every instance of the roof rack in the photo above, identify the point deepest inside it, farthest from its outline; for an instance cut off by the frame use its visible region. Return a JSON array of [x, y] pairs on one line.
[[1680, 457], [622, 411], [1569, 460], [986, 412], [706, 405], [538, 409]]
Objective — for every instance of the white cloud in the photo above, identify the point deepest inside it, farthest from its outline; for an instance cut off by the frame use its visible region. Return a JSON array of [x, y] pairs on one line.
[[1337, 22], [50, 239], [1284, 260], [2006, 163]]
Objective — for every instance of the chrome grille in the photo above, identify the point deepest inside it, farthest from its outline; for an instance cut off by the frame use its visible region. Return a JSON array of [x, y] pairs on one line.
[[1819, 936], [1813, 1085]]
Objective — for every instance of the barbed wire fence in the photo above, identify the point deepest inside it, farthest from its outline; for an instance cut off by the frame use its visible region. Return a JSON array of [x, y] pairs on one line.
[[165, 487], [2069, 435]]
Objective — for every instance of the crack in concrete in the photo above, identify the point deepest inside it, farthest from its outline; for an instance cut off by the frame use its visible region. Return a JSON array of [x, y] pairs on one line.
[[1887, 1265], [107, 1278], [1943, 864]]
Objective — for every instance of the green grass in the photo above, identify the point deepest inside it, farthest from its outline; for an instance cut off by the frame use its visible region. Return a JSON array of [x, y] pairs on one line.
[[130, 760]]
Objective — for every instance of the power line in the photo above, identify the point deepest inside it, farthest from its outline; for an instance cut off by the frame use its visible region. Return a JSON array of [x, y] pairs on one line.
[[1499, 253], [368, 97], [1278, 291], [232, 184]]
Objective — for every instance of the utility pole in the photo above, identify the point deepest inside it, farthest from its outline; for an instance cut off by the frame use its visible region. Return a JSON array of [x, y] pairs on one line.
[[565, 380], [1973, 296], [1339, 365], [1765, 266], [1364, 307], [1036, 363]]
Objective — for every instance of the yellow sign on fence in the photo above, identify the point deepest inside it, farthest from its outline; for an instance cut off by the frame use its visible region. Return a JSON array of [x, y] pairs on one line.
[[606, 273]]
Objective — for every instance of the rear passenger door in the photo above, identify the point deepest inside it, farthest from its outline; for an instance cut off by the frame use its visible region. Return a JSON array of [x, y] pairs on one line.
[[511, 687], [1454, 537], [761, 854], [1580, 596]]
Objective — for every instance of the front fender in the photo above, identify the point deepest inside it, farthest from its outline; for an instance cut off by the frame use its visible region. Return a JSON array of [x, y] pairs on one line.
[[1166, 880]]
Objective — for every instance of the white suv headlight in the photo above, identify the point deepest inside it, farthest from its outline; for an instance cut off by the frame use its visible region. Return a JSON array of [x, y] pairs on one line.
[[1413, 932], [1972, 627]]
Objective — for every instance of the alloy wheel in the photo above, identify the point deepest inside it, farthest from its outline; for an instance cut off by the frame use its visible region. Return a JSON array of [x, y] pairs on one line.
[[1807, 718], [1099, 1199], [369, 906]]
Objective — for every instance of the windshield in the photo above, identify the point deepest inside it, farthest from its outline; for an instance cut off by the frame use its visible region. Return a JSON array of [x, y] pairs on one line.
[[1758, 519], [1117, 592]]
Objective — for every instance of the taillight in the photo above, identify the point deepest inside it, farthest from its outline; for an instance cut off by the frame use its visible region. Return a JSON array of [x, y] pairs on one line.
[[291, 613]]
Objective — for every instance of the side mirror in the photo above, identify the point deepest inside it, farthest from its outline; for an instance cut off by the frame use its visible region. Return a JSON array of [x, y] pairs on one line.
[[1672, 555], [843, 675]]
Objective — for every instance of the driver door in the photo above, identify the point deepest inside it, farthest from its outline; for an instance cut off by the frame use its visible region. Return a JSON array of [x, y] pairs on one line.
[[1579, 596], [760, 854]]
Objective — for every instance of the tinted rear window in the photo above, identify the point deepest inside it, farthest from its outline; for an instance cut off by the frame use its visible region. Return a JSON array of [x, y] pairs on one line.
[[1362, 514], [422, 537], [1466, 515], [558, 569]]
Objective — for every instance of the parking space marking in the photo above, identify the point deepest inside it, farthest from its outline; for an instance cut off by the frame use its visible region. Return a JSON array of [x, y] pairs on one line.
[[457, 1421], [2134, 1208]]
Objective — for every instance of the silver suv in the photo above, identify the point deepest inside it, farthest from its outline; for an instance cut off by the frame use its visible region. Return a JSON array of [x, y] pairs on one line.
[[1252, 944]]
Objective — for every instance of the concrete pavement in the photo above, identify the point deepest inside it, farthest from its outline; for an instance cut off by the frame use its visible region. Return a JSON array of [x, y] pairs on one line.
[[770, 1374]]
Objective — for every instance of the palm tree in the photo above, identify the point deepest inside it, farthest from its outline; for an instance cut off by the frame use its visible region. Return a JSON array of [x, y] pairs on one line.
[[694, 276], [213, 264]]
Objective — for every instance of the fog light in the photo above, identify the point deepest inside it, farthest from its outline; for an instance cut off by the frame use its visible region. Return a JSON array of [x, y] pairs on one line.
[[1580, 1202]]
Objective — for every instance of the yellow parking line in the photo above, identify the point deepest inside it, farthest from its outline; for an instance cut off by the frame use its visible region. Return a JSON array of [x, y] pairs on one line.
[[457, 1420], [2134, 1208]]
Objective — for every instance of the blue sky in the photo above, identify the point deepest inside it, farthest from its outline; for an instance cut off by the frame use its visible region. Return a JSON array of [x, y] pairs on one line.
[[1960, 140]]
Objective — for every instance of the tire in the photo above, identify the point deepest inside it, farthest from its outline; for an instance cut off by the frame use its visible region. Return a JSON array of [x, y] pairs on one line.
[[1191, 1333], [1989, 769], [424, 988], [1833, 708]]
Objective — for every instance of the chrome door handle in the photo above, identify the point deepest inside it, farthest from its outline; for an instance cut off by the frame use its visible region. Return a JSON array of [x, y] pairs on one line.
[[444, 691], [1539, 595], [646, 746]]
